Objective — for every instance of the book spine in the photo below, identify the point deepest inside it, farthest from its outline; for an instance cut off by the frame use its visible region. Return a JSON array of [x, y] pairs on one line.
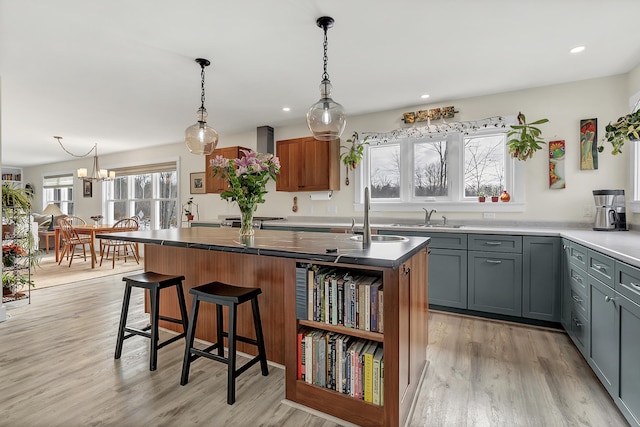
[[300, 356], [381, 310], [301, 293], [374, 308]]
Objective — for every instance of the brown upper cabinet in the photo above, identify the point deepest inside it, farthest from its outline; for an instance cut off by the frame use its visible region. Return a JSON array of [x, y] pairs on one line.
[[308, 164], [215, 184]]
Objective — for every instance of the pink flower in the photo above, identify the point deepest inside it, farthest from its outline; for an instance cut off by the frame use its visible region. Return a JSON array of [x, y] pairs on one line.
[[219, 162]]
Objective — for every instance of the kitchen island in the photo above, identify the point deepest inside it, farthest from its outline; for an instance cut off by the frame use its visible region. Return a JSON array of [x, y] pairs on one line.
[[270, 260]]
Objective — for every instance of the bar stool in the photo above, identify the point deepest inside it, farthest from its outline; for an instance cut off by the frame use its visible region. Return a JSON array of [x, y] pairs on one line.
[[222, 294], [153, 282]]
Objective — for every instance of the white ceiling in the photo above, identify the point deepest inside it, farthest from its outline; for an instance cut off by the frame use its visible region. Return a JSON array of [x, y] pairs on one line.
[[122, 73]]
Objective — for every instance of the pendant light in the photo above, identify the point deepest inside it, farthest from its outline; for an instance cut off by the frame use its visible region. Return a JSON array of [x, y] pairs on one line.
[[200, 138], [326, 118]]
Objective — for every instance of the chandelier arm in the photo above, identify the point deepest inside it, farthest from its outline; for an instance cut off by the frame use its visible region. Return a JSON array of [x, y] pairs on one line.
[[75, 155]]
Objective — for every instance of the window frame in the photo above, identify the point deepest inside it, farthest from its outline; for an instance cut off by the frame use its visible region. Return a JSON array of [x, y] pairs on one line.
[[64, 205], [514, 179]]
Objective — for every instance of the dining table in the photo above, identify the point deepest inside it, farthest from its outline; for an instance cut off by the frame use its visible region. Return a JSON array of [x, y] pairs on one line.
[[92, 230]]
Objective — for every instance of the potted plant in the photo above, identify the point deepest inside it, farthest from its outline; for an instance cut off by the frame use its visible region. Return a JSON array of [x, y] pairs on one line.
[[625, 128], [188, 209], [525, 138], [494, 195], [482, 196], [353, 154]]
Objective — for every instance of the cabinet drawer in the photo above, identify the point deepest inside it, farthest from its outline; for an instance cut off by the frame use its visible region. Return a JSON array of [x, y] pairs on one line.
[[578, 279], [438, 240], [579, 302], [627, 281], [578, 331], [495, 243], [601, 267], [578, 255]]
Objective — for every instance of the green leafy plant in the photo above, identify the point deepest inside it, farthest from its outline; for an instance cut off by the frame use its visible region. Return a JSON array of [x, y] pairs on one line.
[[354, 152], [625, 128], [525, 138], [16, 197]]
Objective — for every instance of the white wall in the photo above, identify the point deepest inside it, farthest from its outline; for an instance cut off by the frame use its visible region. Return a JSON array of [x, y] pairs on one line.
[[564, 105]]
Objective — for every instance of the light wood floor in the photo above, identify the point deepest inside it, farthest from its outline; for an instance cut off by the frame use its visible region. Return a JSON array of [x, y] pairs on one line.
[[57, 369]]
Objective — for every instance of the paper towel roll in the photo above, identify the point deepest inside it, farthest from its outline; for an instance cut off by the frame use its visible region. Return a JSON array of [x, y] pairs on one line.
[[323, 195]]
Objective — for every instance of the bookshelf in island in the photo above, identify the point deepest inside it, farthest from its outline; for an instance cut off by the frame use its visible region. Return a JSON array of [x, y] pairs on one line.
[[371, 308]]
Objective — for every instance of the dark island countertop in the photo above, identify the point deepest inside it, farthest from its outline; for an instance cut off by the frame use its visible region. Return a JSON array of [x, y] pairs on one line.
[[313, 246]]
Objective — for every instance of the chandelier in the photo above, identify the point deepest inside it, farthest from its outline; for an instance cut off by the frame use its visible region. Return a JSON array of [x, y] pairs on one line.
[[97, 174]]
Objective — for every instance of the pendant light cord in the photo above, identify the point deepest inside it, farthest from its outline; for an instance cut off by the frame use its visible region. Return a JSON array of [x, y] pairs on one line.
[[202, 87], [325, 75]]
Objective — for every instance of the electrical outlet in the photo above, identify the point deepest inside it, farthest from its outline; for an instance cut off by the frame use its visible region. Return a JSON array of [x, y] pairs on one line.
[[488, 215], [332, 209], [587, 211]]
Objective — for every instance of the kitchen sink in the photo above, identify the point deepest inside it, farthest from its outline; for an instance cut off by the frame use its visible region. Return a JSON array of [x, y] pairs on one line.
[[381, 238], [427, 225]]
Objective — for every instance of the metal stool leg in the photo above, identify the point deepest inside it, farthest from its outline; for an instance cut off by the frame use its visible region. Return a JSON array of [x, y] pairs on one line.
[[123, 320], [191, 332]]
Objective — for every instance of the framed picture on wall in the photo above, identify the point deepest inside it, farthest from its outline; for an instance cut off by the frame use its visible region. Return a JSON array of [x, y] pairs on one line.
[[197, 183], [87, 188]]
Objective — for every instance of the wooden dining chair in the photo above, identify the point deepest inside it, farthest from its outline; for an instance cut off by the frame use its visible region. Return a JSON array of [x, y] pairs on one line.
[[120, 247], [75, 220], [71, 239]]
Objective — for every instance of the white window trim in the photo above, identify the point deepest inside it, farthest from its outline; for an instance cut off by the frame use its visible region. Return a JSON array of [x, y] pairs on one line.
[[514, 169], [634, 147]]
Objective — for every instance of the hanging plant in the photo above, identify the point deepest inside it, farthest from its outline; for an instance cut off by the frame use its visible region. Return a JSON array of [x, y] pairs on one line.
[[353, 154], [625, 128], [526, 138]]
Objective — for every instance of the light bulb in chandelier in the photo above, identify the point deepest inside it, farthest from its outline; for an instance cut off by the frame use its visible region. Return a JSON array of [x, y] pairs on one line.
[[326, 118]]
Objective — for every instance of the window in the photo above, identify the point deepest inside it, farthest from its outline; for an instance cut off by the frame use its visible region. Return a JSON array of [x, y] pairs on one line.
[[149, 193], [447, 169], [58, 189]]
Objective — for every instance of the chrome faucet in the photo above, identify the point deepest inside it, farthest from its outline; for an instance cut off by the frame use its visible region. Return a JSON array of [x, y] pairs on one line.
[[427, 215], [366, 229]]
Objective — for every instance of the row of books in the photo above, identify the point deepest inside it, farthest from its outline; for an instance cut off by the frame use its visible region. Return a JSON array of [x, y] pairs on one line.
[[11, 177], [336, 297], [346, 364]]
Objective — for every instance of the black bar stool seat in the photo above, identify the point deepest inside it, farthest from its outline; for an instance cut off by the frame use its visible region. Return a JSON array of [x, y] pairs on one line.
[[153, 282], [222, 294]]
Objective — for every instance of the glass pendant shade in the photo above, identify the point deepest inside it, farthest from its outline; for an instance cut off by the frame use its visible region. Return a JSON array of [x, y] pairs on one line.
[[200, 138], [326, 118]]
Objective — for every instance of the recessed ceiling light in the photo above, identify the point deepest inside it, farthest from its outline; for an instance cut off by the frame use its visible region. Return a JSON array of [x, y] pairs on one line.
[[425, 96], [577, 49], [286, 109]]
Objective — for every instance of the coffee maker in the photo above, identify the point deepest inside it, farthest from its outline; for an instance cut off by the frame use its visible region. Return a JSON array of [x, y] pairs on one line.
[[610, 212]]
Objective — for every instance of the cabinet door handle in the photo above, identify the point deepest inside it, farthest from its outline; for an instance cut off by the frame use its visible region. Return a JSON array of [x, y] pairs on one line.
[[607, 298], [577, 299], [405, 270], [635, 285], [577, 322], [576, 278], [494, 261], [579, 257], [493, 243], [599, 267]]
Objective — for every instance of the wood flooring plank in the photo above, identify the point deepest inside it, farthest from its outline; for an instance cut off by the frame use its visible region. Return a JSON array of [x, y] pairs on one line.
[[57, 369]]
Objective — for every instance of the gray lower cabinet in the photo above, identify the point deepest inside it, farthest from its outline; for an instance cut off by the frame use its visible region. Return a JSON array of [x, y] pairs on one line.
[[603, 334], [495, 282], [628, 392], [565, 307], [448, 278], [541, 278]]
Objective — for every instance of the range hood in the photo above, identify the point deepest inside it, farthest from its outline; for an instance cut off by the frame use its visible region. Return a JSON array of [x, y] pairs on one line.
[[265, 140]]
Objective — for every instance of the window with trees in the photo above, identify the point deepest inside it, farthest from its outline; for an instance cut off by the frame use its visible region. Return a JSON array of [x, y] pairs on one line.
[[451, 168], [151, 196]]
